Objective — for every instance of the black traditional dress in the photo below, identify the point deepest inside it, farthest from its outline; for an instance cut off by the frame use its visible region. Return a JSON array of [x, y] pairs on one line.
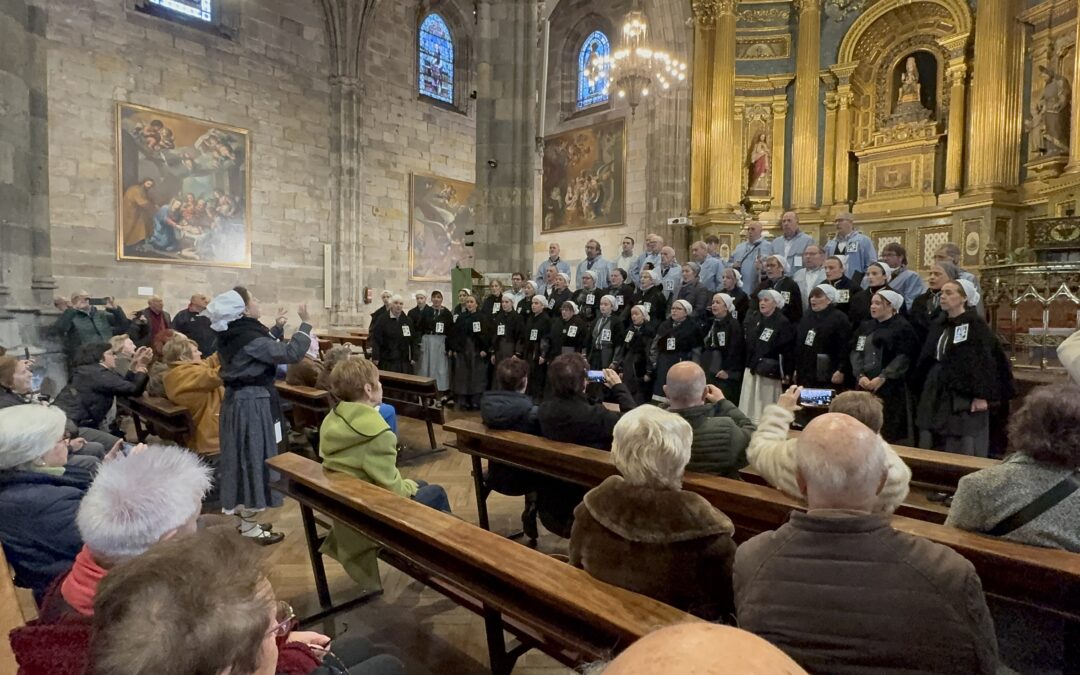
[[470, 337], [534, 346], [604, 335], [770, 352], [888, 349], [725, 350], [675, 342], [822, 347], [635, 358], [393, 343]]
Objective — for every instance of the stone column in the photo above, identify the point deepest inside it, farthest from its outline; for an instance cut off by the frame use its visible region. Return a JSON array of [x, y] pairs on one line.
[[779, 126], [954, 158], [996, 119], [1074, 132], [506, 76], [724, 182], [704, 12], [805, 126], [348, 273], [828, 164]]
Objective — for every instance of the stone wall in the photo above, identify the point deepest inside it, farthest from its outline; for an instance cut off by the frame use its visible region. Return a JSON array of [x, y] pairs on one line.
[[270, 78]]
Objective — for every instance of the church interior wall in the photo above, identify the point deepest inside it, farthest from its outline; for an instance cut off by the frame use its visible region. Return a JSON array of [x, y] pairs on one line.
[[270, 78]]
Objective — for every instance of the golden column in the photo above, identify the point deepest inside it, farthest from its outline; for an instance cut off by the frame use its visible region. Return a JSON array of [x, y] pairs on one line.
[[841, 162], [1074, 134], [954, 159], [704, 34], [994, 155], [804, 149], [722, 108], [779, 126], [828, 173]]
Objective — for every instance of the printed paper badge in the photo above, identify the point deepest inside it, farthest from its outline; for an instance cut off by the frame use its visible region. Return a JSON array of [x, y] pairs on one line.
[[629, 336], [501, 330], [860, 344], [809, 341], [590, 299], [405, 332], [476, 326], [721, 339], [571, 331], [671, 344], [853, 247], [766, 335], [605, 335], [439, 328], [532, 335], [843, 296], [960, 334]]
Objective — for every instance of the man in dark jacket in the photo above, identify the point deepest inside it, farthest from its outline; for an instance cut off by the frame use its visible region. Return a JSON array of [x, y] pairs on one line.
[[570, 417], [87, 399], [840, 591], [721, 431], [509, 407], [149, 323], [191, 323], [82, 323]]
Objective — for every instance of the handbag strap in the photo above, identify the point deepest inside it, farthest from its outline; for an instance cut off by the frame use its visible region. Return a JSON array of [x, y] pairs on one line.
[[1043, 503]]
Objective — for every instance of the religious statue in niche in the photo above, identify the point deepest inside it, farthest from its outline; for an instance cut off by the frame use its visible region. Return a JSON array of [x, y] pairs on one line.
[[1049, 124], [915, 80], [760, 163]]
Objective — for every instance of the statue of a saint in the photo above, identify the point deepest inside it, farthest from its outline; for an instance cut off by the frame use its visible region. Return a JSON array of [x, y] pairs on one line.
[[1049, 125], [910, 89], [760, 156]]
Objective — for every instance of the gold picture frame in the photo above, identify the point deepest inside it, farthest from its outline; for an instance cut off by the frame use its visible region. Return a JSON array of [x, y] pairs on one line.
[[884, 237], [584, 178], [183, 189], [440, 212]]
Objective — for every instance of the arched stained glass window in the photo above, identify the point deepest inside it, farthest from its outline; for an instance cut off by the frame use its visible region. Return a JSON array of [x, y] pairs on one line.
[[436, 63], [595, 92], [196, 9]]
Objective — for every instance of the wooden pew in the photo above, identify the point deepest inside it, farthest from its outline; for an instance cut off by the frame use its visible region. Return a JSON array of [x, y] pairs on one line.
[[11, 616], [158, 416], [1046, 579], [545, 603]]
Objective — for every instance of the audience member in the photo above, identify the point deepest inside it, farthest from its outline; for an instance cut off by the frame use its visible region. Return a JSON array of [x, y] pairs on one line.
[[839, 590], [202, 604], [81, 324], [306, 371], [702, 649], [90, 395], [721, 431], [195, 383], [355, 439], [252, 425], [330, 358], [149, 322], [508, 407], [772, 450], [193, 323], [39, 495], [123, 352], [155, 384], [641, 531], [1031, 497]]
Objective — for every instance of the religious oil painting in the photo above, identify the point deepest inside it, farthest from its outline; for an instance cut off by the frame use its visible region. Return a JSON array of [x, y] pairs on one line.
[[585, 178], [441, 212], [183, 189]]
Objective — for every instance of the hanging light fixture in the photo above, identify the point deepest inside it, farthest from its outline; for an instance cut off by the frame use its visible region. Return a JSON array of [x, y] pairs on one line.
[[635, 70]]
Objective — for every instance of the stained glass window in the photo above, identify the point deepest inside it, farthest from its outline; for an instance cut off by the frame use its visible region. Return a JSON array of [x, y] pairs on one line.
[[436, 62], [196, 9], [595, 92]]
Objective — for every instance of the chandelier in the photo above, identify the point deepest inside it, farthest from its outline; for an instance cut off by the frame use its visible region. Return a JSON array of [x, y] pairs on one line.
[[635, 70]]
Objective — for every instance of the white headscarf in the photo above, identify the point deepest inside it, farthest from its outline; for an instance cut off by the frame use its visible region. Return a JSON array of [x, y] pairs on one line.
[[737, 273], [729, 301], [685, 305], [508, 296], [893, 298], [644, 312], [775, 295], [224, 309], [829, 290], [610, 299], [970, 291], [594, 275], [532, 283], [565, 277], [571, 303], [782, 260], [885, 268]]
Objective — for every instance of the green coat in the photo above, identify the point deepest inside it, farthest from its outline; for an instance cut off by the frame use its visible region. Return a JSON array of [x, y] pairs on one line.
[[355, 439], [78, 328], [721, 435]]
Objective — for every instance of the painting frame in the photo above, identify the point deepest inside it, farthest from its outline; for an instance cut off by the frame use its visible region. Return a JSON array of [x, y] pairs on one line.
[[592, 133], [242, 195], [878, 235], [467, 202]]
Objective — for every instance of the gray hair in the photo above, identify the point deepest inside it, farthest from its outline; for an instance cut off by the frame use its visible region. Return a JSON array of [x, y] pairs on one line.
[[135, 501], [950, 249], [651, 447], [842, 470], [396, 298], [27, 432]]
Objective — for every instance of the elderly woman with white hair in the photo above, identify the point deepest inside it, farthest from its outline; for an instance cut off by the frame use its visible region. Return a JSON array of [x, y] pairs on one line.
[[652, 296], [641, 531], [39, 495], [884, 353], [822, 342], [604, 334], [635, 354], [777, 279], [724, 356], [252, 423], [587, 298], [770, 350], [962, 370], [394, 341], [677, 339]]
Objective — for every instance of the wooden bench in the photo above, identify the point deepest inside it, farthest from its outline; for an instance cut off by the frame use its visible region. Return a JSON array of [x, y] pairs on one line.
[[1046, 579], [11, 616], [545, 603], [158, 416]]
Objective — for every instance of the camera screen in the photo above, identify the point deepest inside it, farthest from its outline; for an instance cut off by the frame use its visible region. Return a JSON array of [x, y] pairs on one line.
[[816, 397], [595, 376]]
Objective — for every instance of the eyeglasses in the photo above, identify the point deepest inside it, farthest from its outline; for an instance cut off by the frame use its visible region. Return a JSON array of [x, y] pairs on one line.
[[284, 616]]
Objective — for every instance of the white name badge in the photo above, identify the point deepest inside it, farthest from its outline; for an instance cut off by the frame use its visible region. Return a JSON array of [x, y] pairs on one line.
[[629, 336], [476, 326], [853, 247], [960, 334], [533, 335], [495, 308], [551, 303], [786, 295], [590, 299], [809, 341], [671, 344], [647, 306], [605, 335], [571, 331], [669, 285], [766, 335], [501, 330], [797, 261], [439, 328], [721, 339], [618, 300], [860, 344], [277, 432], [405, 332], [843, 296]]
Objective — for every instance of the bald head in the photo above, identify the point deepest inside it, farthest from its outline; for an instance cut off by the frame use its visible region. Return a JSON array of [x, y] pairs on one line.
[[841, 464], [703, 649], [667, 255], [685, 386]]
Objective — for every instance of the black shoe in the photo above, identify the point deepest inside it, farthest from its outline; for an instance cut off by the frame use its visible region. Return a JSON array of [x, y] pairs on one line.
[[528, 522], [266, 537]]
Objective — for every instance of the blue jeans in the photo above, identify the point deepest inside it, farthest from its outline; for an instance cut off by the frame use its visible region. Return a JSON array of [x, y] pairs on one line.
[[390, 415], [433, 496]]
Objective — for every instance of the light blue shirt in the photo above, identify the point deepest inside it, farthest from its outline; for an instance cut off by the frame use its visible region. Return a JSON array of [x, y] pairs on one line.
[[600, 266], [806, 280], [907, 283], [561, 265], [712, 273], [792, 249], [639, 264], [858, 249], [670, 280], [746, 254]]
